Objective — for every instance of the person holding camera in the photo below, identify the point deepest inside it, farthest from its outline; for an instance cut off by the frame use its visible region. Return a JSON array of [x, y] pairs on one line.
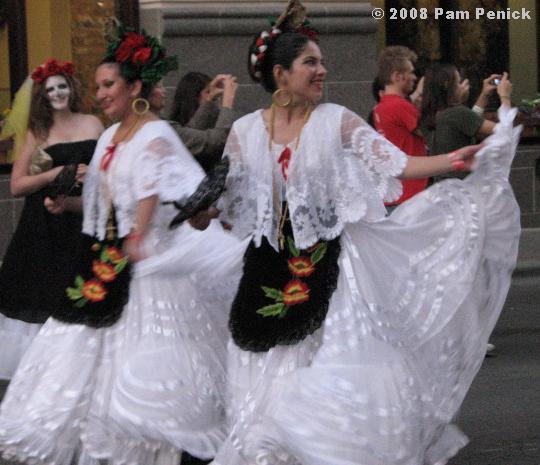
[[447, 124], [202, 123]]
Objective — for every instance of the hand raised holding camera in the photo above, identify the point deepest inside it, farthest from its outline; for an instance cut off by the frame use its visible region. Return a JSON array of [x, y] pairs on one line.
[[490, 83], [214, 89], [504, 89], [230, 86]]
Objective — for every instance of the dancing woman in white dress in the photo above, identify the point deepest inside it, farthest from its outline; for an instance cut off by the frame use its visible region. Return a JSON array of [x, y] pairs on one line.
[[355, 337], [151, 385]]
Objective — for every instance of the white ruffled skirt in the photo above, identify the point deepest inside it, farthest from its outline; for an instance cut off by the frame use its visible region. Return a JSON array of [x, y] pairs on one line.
[[142, 390], [417, 297], [15, 338]]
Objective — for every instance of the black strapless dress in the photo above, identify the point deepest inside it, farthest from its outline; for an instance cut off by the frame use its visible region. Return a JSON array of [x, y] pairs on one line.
[[39, 259]]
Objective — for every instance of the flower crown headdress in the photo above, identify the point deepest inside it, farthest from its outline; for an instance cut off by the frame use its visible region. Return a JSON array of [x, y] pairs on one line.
[[293, 19], [139, 55], [52, 67]]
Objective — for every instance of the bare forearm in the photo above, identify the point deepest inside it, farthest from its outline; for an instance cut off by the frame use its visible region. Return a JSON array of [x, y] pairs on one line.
[[24, 185], [424, 167], [481, 101]]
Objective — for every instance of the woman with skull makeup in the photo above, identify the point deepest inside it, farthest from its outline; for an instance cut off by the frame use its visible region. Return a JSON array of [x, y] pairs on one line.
[[39, 258]]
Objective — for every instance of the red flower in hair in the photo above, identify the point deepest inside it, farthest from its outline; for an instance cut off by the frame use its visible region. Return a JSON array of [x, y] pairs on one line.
[[141, 56], [52, 67], [38, 75], [131, 43], [312, 34], [68, 68], [123, 53], [134, 40]]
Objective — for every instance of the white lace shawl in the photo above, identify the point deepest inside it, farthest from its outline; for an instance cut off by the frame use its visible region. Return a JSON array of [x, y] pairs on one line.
[[154, 161], [341, 173]]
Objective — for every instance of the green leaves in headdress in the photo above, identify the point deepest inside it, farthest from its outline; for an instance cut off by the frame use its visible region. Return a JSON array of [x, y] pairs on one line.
[[156, 64]]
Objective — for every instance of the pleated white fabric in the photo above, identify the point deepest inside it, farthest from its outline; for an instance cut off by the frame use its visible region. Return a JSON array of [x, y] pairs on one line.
[[418, 294], [152, 385], [16, 337]]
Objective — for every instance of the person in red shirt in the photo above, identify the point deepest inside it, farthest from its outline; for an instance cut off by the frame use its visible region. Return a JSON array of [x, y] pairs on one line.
[[395, 117]]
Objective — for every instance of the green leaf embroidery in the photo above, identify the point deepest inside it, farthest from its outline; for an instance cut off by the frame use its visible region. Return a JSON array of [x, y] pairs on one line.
[[81, 303], [319, 253], [283, 314], [275, 294], [295, 252], [120, 265], [73, 293], [271, 310], [79, 282], [104, 257]]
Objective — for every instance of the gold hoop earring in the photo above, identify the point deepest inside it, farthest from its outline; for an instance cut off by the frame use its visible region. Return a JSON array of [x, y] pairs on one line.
[[282, 98], [144, 102]]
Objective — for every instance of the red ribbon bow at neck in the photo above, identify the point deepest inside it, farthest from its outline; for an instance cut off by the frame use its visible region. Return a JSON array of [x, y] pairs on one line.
[[108, 157], [284, 160]]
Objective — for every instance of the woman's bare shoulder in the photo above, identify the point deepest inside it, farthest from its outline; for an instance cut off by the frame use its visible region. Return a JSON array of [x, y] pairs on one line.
[[90, 123]]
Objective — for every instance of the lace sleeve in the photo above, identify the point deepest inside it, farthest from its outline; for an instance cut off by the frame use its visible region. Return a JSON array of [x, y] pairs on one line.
[[165, 168], [382, 160], [229, 201], [244, 203]]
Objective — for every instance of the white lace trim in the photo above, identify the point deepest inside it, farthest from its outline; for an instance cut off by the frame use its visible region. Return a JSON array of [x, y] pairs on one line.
[[340, 173], [153, 162]]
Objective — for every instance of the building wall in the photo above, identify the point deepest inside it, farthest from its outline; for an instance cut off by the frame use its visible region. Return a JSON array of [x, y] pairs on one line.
[[5, 96], [48, 30], [214, 38], [523, 51], [88, 44]]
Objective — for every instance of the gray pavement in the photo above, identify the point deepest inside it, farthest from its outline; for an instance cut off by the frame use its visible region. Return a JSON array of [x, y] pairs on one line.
[[501, 414]]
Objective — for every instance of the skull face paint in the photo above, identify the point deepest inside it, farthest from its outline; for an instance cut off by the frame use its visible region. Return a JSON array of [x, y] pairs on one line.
[[58, 92]]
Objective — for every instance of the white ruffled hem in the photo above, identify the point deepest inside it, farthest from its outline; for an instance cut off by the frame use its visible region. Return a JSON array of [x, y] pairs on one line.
[[15, 338], [138, 392], [418, 295]]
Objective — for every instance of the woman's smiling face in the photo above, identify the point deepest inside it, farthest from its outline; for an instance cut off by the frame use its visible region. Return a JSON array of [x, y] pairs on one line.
[[113, 93], [306, 76]]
